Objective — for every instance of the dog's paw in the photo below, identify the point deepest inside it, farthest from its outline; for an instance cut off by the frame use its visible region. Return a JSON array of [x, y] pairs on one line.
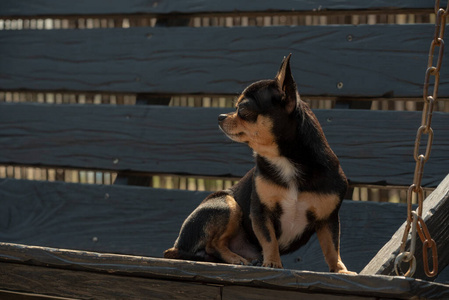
[[256, 263], [347, 272], [272, 264], [240, 261]]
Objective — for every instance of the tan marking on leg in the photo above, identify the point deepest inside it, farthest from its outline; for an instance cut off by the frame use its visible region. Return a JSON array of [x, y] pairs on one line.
[[321, 204], [330, 251], [270, 249], [270, 193], [220, 241]]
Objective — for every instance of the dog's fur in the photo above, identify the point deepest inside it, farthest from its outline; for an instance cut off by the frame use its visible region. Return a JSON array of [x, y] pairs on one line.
[[295, 189]]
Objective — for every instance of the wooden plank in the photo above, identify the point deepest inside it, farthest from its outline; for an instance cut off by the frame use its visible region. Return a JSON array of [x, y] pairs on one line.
[[104, 7], [10, 295], [145, 221], [373, 146], [436, 217], [245, 293], [88, 285], [114, 219], [220, 60], [103, 268]]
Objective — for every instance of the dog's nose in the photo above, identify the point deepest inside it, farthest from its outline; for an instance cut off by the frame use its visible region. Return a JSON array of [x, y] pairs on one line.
[[222, 117]]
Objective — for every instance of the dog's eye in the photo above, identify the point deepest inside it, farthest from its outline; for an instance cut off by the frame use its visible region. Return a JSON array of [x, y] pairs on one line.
[[241, 112], [246, 114]]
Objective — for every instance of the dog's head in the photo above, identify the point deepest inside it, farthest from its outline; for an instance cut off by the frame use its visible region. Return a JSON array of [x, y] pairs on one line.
[[264, 112]]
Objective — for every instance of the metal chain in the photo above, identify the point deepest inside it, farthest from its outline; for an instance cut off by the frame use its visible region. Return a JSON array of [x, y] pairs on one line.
[[414, 219]]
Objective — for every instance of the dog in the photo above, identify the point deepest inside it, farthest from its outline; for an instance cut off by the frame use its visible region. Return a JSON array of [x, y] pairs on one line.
[[295, 189]]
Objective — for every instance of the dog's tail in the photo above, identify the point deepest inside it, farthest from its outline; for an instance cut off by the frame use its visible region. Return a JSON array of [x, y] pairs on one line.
[[174, 253]]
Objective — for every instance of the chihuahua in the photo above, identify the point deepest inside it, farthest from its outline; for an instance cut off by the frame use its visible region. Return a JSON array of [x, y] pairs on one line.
[[295, 189]]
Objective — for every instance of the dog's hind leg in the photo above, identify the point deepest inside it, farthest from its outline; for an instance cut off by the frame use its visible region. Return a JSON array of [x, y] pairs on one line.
[[219, 243]]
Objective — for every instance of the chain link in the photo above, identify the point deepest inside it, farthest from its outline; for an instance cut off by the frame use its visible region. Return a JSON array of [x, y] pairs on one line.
[[415, 221]]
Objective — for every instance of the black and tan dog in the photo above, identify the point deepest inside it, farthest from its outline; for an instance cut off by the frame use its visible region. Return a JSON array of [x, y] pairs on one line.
[[295, 189]]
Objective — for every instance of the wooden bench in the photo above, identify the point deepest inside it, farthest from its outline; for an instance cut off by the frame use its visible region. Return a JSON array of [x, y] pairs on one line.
[[350, 65]]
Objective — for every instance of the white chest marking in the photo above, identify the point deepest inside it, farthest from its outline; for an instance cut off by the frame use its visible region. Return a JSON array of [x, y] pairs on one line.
[[294, 203], [285, 168], [295, 207], [294, 217], [294, 212]]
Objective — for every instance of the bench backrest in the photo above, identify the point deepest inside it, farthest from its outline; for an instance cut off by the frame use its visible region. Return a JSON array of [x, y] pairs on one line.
[[155, 63], [374, 147], [357, 61]]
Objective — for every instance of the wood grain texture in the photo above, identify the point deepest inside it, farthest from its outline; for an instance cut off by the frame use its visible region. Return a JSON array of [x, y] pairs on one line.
[[380, 60], [13, 295], [245, 293], [373, 146], [145, 221], [104, 218], [89, 285], [436, 216], [99, 7], [23, 263]]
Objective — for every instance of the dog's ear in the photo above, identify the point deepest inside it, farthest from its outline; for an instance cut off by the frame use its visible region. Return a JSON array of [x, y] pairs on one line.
[[287, 84]]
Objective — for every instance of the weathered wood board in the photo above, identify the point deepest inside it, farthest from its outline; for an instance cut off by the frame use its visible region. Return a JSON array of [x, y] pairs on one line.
[[146, 221], [99, 275], [373, 146], [436, 216], [220, 60], [104, 7], [88, 285]]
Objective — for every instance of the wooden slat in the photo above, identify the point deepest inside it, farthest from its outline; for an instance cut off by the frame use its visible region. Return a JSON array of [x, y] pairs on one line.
[[374, 146], [87, 285], [12, 295], [145, 221], [245, 293], [104, 7], [118, 219], [378, 61], [80, 284], [436, 216], [20, 269]]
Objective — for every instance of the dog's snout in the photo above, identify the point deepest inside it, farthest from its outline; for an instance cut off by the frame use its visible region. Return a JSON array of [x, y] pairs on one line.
[[222, 117]]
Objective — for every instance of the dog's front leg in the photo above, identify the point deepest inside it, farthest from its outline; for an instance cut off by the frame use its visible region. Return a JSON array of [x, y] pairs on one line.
[[264, 230], [329, 237]]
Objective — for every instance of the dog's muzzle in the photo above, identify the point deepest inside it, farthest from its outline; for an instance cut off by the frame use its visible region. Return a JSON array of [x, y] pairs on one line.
[[221, 119]]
